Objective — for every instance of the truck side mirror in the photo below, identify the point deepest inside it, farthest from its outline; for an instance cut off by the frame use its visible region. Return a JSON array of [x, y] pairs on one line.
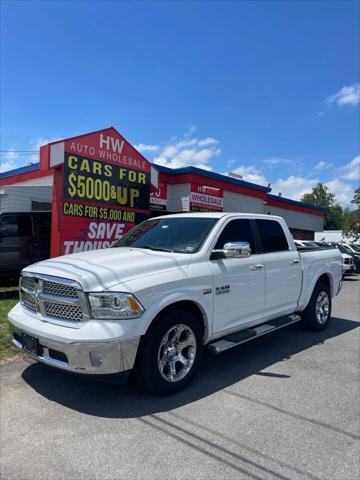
[[232, 250], [237, 250]]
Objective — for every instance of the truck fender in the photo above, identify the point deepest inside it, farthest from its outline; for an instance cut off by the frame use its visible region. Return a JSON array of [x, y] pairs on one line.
[[172, 299]]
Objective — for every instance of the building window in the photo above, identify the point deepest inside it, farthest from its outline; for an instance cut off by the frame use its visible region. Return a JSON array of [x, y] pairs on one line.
[[37, 206]]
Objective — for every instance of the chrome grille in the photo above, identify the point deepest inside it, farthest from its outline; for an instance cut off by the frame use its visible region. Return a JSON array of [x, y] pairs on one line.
[[28, 282], [53, 297], [28, 300], [59, 290], [57, 310]]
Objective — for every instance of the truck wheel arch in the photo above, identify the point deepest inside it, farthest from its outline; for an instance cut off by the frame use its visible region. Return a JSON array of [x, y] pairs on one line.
[[325, 280], [187, 305]]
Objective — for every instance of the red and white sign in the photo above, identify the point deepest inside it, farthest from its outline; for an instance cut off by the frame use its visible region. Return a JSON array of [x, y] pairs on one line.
[[101, 191], [206, 199], [105, 145], [158, 197]]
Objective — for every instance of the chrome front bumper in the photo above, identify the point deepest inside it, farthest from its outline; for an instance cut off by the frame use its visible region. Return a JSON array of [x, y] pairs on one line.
[[87, 358]]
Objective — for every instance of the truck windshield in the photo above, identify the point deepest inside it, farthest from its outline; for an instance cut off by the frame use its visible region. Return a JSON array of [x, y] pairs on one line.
[[180, 235]]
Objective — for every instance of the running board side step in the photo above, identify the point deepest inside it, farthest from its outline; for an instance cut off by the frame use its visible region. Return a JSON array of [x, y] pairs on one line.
[[237, 338]]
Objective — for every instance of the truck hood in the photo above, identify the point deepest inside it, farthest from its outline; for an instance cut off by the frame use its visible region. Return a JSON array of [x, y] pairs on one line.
[[98, 270]]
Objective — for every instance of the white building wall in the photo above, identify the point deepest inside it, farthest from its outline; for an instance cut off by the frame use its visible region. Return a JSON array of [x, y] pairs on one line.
[[294, 219], [42, 181], [234, 202], [178, 197], [19, 198]]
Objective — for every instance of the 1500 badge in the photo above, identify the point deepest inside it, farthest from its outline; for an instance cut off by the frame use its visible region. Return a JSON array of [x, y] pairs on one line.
[[222, 290]]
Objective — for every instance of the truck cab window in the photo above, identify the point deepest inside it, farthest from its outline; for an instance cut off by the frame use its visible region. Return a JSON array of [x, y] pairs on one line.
[[236, 231], [272, 235]]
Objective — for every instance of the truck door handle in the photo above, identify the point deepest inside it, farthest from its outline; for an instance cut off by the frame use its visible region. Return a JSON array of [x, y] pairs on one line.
[[257, 266], [294, 261]]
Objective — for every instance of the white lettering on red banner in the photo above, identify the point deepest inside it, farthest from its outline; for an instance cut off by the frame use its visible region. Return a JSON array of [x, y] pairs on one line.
[[158, 197]]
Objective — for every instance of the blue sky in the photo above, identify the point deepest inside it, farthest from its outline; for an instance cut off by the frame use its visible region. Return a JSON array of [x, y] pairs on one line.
[[270, 90]]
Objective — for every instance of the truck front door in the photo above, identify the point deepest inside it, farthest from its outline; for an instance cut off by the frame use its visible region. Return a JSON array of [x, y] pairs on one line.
[[239, 283]]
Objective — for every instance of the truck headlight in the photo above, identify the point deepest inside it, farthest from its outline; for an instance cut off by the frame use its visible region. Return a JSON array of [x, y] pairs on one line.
[[113, 305]]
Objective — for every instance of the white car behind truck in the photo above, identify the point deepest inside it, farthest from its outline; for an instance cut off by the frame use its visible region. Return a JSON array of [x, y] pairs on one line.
[[170, 287]]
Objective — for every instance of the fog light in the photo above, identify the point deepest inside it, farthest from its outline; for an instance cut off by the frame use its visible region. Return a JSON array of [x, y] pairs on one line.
[[96, 359]]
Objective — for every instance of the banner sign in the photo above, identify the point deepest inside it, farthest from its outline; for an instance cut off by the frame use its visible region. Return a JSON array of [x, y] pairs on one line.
[[101, 191], [158, 197], [206, 199]]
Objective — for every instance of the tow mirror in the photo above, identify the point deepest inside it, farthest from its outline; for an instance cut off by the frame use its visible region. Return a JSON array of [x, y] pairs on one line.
[[232, 250]]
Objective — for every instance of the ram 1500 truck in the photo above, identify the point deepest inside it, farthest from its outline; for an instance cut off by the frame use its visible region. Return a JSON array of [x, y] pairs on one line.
[[170, 287]]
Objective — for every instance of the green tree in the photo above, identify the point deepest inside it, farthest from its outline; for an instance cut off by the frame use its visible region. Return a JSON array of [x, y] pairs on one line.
[[321, 196], [356, 199], [351, 221]]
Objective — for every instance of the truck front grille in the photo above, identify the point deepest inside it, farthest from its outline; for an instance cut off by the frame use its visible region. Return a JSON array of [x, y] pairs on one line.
[[53, 297], [57, 310], [59, 290], [28, 300]]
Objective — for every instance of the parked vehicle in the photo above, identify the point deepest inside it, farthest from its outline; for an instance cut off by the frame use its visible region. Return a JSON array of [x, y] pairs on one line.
[[305, 244], [167, 289], [353, 252], [24, 239], [348, 264], [355, 247], [353, 264]]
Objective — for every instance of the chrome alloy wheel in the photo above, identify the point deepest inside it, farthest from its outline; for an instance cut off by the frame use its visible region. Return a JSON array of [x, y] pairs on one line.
[[176, 354], [322, 307]]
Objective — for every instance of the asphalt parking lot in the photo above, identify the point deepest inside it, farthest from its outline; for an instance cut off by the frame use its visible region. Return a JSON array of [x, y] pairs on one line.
[[285, 406]]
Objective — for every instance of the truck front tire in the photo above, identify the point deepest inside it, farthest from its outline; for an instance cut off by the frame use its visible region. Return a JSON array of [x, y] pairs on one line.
[[317, 314], [169, 354]]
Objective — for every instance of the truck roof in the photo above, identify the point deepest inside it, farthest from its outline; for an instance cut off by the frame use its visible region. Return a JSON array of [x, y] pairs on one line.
[[219, 215]]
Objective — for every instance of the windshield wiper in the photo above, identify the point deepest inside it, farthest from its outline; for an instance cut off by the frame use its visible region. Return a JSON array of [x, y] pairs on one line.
[[158, 249]]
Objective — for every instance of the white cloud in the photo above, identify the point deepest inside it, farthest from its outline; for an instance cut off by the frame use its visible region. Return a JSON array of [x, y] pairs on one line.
[[142, 147], [11, 153], [322, 165], [293, 187], [351, 171], [207, 141], [8, 160], [186, 151], [250, 173], [276, 161], [6, 166], [348, 95], [343, 191]]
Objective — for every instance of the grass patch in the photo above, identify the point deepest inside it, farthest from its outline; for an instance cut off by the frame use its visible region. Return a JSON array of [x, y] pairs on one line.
[[9, 296]]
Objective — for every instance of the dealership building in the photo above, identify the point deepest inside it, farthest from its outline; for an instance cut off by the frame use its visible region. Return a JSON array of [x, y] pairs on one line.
[[31, 188]]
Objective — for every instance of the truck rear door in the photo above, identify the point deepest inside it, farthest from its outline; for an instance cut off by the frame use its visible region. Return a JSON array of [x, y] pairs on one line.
[[283, 269]]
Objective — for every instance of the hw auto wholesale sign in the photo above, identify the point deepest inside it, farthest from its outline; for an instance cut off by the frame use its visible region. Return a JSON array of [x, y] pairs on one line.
[[101, 191], [206, 199]]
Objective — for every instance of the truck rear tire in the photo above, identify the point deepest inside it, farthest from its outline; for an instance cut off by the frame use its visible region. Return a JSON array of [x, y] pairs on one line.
[[317, 314], [169, 354]]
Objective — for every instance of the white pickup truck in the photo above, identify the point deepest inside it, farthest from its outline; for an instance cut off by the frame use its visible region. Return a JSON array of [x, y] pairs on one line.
[[171, 286]]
